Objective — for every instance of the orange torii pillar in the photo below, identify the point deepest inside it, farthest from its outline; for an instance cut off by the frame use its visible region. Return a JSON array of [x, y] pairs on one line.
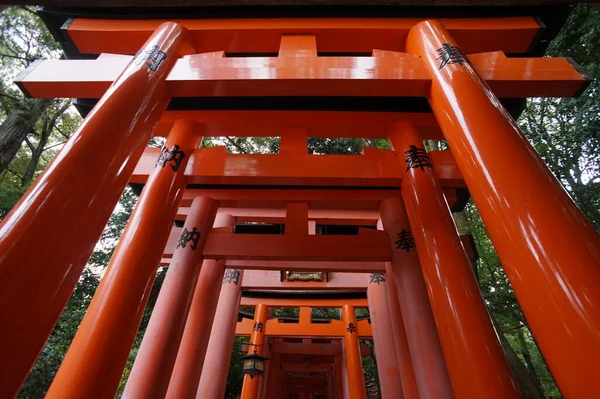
[[473, 354], [98, 354], [403, 356], [213, 380], [549, 250], [383, 337], [353, 359], [154, 362], [406, 280], [257, 341], [273, 388], [55, 225], [196, 334]]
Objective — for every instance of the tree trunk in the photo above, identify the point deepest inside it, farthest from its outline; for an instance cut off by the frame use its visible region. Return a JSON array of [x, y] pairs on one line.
[[19, 122], [526, 380]]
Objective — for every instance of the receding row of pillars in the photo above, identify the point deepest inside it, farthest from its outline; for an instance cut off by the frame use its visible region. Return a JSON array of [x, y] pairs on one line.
[[549, 251]]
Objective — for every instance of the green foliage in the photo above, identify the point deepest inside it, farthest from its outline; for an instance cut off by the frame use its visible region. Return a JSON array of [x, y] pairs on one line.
[[566, 131]]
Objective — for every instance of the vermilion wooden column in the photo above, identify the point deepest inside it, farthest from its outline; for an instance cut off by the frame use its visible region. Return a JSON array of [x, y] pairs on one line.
[[154, 362], [356, 380], [251, 385], [475, 360], [550, 252], [339, 378], [383, 337], [218, 354], [96, 359], [403, 354], [418, 323], [273, 388], [85, 179], [194, 342]]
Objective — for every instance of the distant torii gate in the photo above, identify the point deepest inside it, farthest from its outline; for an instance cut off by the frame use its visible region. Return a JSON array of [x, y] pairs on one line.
[[430, 326]]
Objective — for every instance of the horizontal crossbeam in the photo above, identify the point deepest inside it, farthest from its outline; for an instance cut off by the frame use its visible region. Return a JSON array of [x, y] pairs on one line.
[[262, 123], [376, 168], [326, 198], [298, 302], [278, 215], [271, 280], [360, 248], [273, 328], [387, 75], [350, 35]]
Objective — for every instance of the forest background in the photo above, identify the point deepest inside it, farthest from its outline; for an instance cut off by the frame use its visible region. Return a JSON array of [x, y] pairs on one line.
[[565, 132]]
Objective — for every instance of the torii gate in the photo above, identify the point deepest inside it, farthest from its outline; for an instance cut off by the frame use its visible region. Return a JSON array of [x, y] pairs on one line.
[[445, 78]]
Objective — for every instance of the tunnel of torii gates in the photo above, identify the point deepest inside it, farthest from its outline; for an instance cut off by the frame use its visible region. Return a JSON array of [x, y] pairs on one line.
[[296, 230]]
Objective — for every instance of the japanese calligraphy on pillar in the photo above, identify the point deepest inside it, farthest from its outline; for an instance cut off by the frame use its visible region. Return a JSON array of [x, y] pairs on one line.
[[258, 326], [173, 157], [187, 236], [405, 241], [153, 57], [417, 158], [351, 328], [231, 276], [449, 54], [377, 278]]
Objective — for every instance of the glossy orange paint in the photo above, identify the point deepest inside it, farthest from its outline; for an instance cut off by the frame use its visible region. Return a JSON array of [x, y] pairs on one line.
[[85, 179], [403, 359], [251, 35], [426, 354], [277, 216], [276, 198], [386, 74], [257, 279], [383, 337], [473, 354], [98, 354], [356, 248], [155, 360], [257, 338], [304, 328], [220, 345], [352, 267], [549, 250], [375, 168], [356, 381], [266, 123]]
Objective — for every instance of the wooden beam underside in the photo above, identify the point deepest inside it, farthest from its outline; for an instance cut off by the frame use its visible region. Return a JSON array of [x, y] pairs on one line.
[[268, 123], [260, 35], [278, 215]]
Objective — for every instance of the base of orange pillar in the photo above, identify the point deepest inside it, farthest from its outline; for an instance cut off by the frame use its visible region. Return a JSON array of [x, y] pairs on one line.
[[355, 377], [390, 377]]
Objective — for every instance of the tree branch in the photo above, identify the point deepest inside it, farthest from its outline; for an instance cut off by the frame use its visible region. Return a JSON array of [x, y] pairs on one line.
[[236, 145], [10, 96], [513, 328], [54, 145], [16, 57]]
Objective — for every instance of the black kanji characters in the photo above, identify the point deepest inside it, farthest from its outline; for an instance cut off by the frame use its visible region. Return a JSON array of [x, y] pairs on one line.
[[405, 240], [187, 236], [417, 158], [173, 157], [449, 54]]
